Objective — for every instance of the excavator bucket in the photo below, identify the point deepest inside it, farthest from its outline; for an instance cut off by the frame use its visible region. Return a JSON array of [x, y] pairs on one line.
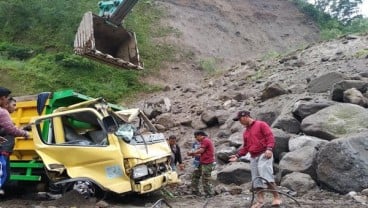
[[105, 42]]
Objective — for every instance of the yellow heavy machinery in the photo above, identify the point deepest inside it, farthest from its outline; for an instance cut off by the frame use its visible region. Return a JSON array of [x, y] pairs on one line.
[[101, 37]]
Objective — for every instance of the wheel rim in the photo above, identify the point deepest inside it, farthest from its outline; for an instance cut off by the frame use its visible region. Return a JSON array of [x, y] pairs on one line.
[[85, 188]]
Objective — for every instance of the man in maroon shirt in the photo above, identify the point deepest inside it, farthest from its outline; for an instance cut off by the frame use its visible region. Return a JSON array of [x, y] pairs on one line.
[[259, 142], [207, 159]]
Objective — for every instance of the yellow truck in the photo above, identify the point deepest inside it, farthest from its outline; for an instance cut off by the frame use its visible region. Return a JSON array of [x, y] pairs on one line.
[[89, 145]]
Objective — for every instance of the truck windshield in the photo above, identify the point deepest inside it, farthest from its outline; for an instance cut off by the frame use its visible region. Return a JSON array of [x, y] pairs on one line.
[[131, 135], [126, 132]]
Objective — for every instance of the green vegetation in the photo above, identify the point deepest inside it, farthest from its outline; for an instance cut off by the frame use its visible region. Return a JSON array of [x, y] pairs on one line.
[[343, 22], [208, 65], [344, 10], [362, 53], [144, 21], [36, 49], [271, 55]]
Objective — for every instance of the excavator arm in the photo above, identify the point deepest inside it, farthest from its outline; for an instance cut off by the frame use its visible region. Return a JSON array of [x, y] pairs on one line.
[[102, 37], [115, 11]]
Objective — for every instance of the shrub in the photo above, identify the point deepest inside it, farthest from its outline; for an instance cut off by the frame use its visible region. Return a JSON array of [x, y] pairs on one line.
[[15, 52]]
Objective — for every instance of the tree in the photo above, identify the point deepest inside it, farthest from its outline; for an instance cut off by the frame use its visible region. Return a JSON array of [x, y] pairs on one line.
[[343, 10]]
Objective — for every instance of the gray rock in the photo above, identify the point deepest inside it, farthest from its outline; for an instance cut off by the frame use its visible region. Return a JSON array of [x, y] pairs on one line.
[[325, 82], [222, 116], [236, 172], [272, 90], [299, 182], [305, 141], [287, 123], [223, 153], [209, 118], [102, 204], [365, 192], [342, 165], [236, 139], [268, 116], [281, 143], [165, 120], [301, 160], [198, 124], [354, 96], [337, 92], [157, 106], [304, 108], [336, 121]]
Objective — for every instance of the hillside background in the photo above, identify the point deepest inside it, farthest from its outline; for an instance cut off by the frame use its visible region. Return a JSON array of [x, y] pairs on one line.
[[193, 39]]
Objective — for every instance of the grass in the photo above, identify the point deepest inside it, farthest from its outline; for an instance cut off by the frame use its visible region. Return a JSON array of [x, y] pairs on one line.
[[361, 54], [145, 22], [36, 51], [208, 65], [271, 55]]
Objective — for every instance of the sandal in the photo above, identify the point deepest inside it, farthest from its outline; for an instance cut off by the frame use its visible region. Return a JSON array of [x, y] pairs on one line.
[[258, 205]]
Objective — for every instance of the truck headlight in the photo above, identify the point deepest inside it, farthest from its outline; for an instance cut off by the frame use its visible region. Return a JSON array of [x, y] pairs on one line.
[[140, 171]]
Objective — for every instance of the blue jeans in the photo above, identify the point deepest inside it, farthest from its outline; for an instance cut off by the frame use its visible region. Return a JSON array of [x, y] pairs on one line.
[[3, 170]]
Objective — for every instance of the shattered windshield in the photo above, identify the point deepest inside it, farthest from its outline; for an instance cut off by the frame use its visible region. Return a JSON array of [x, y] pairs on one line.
[[126, 132], [131, 135], [134, 130]]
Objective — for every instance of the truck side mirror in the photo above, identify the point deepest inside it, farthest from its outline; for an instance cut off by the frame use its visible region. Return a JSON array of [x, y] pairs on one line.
[[109, 124]]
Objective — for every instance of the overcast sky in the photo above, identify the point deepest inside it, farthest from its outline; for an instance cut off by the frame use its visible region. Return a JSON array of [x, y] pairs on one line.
[[363, 7]]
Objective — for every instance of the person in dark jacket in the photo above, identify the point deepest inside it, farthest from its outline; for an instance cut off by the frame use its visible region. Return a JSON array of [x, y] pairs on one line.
[[259, 142], [176, 154]]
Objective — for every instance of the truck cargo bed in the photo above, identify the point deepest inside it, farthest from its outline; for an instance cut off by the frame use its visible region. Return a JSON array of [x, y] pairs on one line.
[[103, 41]]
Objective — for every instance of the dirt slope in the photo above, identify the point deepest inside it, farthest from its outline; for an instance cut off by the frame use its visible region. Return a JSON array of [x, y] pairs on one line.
[[230, 32]]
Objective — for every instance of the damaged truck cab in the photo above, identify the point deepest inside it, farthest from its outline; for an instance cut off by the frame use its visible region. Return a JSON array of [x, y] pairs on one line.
[[91, 147]]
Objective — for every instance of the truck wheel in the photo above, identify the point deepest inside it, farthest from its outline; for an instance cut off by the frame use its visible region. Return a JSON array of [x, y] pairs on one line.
[[86, 188]]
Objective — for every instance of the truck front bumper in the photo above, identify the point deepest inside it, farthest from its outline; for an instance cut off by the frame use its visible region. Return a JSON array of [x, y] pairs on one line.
[[155, 183]]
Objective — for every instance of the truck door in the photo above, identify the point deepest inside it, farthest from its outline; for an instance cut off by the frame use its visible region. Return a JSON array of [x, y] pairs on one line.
[[73, 143]]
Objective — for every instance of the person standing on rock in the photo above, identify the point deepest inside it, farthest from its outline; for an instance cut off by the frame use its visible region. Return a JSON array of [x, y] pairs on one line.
[[206, 151], [259, 142]]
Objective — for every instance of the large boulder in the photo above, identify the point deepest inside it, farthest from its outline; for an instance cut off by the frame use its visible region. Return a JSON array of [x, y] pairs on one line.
[[304, 108], [336, 121], [342, 165], [236, 139], [223, 153], [237, 173], [272, 90], [268, 116], [287, 123], [281, 143], [299, 182], [300, 160], [325, 82], [354, 96], [338, 89], [299, 142], [166, 120], [157, 106], [209, 118]]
